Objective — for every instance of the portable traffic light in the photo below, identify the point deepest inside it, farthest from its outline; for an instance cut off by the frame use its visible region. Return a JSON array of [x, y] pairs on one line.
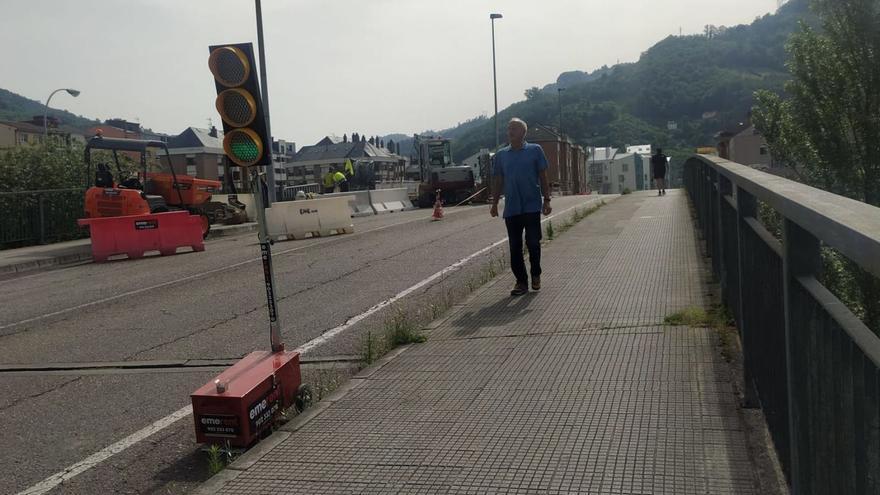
[[240, 104]]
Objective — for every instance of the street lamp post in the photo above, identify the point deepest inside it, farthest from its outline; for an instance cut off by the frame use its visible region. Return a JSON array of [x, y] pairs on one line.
[[559, 100], [495, 76], [72, 92]]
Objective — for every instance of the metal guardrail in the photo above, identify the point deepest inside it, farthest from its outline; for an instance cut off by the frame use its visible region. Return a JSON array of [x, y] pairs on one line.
[[40, 217], [809, 362], [289, 192]]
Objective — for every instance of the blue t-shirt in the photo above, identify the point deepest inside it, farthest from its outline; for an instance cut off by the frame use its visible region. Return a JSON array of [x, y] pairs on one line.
[[522, 185]]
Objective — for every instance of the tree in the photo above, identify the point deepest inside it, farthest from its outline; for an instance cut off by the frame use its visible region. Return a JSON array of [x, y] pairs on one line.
[[372, 141], [345, 138], [532, 92], [828, 128], [391, 145]]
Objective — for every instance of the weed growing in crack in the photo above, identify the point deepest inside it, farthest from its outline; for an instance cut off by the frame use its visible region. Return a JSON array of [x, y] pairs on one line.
[[716, 317], [549, 230], [370, 352], [400, 329], [215, 460]]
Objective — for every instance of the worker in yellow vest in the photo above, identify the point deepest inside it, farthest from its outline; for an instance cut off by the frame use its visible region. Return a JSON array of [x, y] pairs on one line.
[[340, 183], [329, 183]]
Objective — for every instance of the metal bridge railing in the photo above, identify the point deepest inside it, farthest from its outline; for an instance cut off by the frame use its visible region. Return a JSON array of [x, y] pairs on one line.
[[809, 362], [40, 217]]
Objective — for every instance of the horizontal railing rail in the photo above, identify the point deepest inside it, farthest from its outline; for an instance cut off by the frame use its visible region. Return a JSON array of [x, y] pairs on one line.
[[40, 217]]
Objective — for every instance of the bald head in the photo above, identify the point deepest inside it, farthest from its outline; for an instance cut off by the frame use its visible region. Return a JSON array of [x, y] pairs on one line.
[[516, 132]]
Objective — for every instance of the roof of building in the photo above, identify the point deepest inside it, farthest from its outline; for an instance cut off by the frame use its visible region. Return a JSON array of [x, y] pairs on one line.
[[194, 137], [29, 127], [323, 151], [642, 149], [541, 132], [602, 154], [328, 140]]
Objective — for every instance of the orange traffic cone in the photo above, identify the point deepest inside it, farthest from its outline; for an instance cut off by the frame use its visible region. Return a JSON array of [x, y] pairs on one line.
[[438, 208]]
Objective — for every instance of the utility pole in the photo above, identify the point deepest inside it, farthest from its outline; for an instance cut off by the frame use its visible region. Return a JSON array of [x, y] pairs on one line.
[[495, 76], [264, 88]]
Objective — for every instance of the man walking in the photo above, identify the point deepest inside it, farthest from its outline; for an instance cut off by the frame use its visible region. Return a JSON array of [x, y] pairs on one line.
[[658, 171], [520, 175]]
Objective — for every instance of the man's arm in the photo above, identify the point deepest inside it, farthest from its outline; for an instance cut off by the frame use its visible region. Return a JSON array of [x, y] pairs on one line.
[[545, 190], [497, 189], [545, 185]]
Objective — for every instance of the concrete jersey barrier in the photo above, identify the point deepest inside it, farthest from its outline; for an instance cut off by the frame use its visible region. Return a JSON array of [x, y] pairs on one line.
[[359, 204], [315, 217], [388, 200]]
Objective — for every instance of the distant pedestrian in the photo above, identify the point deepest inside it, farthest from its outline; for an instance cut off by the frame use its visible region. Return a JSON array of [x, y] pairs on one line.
[[520, 175], [658, 170]]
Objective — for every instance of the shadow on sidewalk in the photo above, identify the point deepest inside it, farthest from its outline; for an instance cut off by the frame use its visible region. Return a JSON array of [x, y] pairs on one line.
[[503, 312]]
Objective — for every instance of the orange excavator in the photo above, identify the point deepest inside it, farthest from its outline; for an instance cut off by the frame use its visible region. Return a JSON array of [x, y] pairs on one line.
[[146, 192]]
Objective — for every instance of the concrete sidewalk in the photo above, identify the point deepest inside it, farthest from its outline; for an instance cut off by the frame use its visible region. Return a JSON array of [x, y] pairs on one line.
[[63, 253], [576, 389]]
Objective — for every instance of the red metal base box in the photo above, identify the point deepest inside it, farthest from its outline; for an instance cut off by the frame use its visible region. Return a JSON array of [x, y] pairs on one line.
[[244, 400]]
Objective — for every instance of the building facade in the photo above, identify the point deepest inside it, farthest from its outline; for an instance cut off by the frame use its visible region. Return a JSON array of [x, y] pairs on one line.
[[32, 133]]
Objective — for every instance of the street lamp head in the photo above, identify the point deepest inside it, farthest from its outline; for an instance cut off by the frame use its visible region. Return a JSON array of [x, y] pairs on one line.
[[560, 90], [495, 16], [72, 92]]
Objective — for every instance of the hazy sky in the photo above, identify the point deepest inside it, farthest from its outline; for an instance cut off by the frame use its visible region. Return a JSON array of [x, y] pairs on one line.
[[371, 66]]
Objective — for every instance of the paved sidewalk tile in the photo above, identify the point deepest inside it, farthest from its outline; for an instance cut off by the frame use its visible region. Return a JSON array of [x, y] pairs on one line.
[[576, 389]]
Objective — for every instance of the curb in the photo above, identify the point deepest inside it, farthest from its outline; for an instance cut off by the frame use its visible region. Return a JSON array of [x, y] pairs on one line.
[[84, 252], [76, 257]]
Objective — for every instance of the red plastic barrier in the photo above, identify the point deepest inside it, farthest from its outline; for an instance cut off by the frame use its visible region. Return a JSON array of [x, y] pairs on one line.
[[134, 235]]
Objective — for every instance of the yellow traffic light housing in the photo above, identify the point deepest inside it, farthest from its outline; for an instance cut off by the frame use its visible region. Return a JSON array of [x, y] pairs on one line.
[[236, 107], [240, 105]]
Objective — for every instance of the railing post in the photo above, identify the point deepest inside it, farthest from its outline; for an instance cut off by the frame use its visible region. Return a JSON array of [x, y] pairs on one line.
[[724, 189], [801, 257], [42, 202], [746, 207]]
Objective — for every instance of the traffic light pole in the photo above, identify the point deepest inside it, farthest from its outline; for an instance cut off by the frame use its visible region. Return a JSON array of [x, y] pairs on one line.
[[260, 190], [264, 88]]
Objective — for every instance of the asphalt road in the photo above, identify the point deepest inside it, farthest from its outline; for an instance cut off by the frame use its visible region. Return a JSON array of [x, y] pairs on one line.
[[208, 305]]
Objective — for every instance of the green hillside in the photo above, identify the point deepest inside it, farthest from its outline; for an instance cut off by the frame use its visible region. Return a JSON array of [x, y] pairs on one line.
[[703, 83], [15, 107]]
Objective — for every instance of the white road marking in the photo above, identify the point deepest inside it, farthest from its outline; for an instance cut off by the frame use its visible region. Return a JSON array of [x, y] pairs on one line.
[[104, 454], [93, 460]]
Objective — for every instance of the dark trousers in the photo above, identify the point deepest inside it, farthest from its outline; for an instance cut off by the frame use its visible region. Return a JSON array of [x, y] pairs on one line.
[[531, 223]]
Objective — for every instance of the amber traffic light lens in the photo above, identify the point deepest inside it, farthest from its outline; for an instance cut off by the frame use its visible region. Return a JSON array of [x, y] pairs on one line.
[[243, 146], [230, 66], [237, 107]]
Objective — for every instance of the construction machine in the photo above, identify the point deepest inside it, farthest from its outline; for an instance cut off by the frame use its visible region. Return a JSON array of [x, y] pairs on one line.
[[437, 172], [145, 192]]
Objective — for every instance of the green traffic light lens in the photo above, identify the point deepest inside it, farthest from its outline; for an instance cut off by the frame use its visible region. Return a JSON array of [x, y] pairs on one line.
[[243, 146]]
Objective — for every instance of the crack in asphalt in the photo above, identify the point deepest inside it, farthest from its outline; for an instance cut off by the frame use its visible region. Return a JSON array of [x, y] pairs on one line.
[[34, 396]]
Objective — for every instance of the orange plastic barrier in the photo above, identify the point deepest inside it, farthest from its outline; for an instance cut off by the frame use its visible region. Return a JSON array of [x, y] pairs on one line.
[[135, 235]]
